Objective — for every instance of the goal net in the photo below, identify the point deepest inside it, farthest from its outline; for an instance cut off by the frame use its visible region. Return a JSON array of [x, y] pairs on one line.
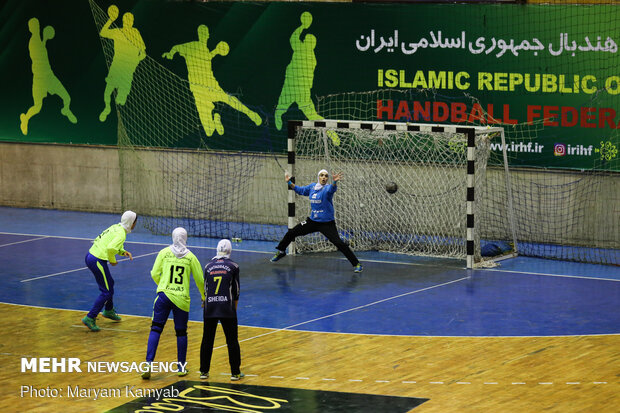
[[406, 188], [558, 214]]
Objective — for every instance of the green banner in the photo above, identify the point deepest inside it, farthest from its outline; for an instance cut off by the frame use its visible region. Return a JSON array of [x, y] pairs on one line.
[[214, 72]]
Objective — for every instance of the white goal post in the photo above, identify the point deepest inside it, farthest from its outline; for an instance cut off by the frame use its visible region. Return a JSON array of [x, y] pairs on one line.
[[407, 188]]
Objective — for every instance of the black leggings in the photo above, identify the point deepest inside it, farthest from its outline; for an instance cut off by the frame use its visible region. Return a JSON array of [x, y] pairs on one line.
[[229, 325], [326, 228]]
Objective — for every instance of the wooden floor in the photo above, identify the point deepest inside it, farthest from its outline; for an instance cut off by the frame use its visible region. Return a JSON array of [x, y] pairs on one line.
[[520, 374]]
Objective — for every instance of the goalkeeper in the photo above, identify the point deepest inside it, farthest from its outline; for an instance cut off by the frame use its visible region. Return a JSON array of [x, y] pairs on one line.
[[321, 217]]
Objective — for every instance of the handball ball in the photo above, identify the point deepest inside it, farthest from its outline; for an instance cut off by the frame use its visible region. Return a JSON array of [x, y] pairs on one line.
[[391, 187], [306, 19], [113, 11]]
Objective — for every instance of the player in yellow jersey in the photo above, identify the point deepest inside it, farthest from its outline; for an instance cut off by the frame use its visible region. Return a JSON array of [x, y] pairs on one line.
[[171, 273], [105, 248]]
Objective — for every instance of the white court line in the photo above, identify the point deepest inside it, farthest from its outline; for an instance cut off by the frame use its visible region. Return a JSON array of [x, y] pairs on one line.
[[126, 241], [353, 309], [42, 235], [52, 275], [21, 242], [134, 242], [83, 268], [583, 277], [411, 264]]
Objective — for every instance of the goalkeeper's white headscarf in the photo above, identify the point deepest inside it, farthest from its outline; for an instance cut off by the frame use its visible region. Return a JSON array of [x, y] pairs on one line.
[[318, 177], [127, 220], [179, 242], [224, 248]]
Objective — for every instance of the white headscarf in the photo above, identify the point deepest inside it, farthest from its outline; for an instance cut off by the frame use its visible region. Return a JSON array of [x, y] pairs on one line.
[[318, 186], [179, 242], [224, 248], [127, 220]]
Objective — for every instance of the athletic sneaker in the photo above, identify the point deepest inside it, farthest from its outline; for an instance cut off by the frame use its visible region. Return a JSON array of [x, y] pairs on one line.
[[182, 373], [358, 268], [236, 377], [111, 314], [90, 323], [146, 375], [204, 375], [278, 256]]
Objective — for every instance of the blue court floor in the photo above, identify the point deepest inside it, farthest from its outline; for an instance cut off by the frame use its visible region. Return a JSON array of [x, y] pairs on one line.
[[42, 264]]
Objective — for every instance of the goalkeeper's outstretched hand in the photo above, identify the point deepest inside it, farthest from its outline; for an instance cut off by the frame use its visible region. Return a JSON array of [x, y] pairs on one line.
[[289, 183], [337, 176]]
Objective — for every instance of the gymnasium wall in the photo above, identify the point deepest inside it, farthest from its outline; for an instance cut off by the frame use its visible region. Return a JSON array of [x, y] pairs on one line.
[[60, 176], [87, 178]]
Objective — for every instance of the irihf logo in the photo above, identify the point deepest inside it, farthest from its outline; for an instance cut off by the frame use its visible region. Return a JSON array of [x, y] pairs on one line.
[[560, 149]]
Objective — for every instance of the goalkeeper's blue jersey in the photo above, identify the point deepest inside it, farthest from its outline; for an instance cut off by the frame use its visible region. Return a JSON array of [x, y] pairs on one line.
[[321, 204]]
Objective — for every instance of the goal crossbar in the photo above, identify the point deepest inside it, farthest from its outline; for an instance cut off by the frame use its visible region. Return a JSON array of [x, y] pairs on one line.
[[395, 126]]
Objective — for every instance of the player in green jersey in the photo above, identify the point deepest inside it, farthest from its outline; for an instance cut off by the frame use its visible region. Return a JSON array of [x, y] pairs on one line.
[[105, 248], [171, 273]]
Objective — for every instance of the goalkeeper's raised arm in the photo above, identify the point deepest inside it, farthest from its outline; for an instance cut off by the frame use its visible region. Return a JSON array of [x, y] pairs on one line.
[[289, 182], [321, 219]]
